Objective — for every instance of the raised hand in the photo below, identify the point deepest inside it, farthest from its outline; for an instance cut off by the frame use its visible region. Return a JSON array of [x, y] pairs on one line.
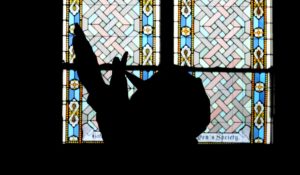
[[86, 63], [171, 106], [88, 68], [106, 100]]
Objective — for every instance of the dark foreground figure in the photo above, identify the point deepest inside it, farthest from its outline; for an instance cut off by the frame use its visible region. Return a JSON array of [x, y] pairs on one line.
[[169, 108]]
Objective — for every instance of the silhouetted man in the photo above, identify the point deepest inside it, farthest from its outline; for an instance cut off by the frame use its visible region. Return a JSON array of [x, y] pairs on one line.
[[169, 108]]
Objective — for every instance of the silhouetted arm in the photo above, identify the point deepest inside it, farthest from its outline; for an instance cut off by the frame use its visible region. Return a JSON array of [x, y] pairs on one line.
[[86, 63], [107, 100]]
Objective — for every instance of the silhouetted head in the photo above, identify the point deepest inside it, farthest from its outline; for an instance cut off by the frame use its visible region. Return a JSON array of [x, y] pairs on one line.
[[170, 107]]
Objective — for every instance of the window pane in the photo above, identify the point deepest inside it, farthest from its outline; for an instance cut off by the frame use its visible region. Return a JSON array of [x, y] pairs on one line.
[[78, 115], [223, 33], [113, 27], [208, 33], [240, 107]]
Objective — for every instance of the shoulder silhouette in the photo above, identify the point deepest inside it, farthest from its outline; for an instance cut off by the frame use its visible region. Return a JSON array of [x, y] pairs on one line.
[[171, 107]]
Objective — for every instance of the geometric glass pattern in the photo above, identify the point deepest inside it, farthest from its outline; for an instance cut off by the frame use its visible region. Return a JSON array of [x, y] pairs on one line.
[[208, 34], [230, 96], [113, 27], [229, 34], [234, 103], [223, 33]]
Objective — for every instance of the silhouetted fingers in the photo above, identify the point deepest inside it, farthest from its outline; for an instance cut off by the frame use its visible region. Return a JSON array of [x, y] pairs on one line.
[[118, 81], [116, 62], [78, 31], [83, 49], [124, 59], [86, 62], [117, 72], [85, 58]]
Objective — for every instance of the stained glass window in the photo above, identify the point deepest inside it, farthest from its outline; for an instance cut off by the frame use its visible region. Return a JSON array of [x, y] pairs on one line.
[[227, 43]]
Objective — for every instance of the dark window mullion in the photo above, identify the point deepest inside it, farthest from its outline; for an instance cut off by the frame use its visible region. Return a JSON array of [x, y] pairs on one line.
[[149, 68], [167, 33]]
